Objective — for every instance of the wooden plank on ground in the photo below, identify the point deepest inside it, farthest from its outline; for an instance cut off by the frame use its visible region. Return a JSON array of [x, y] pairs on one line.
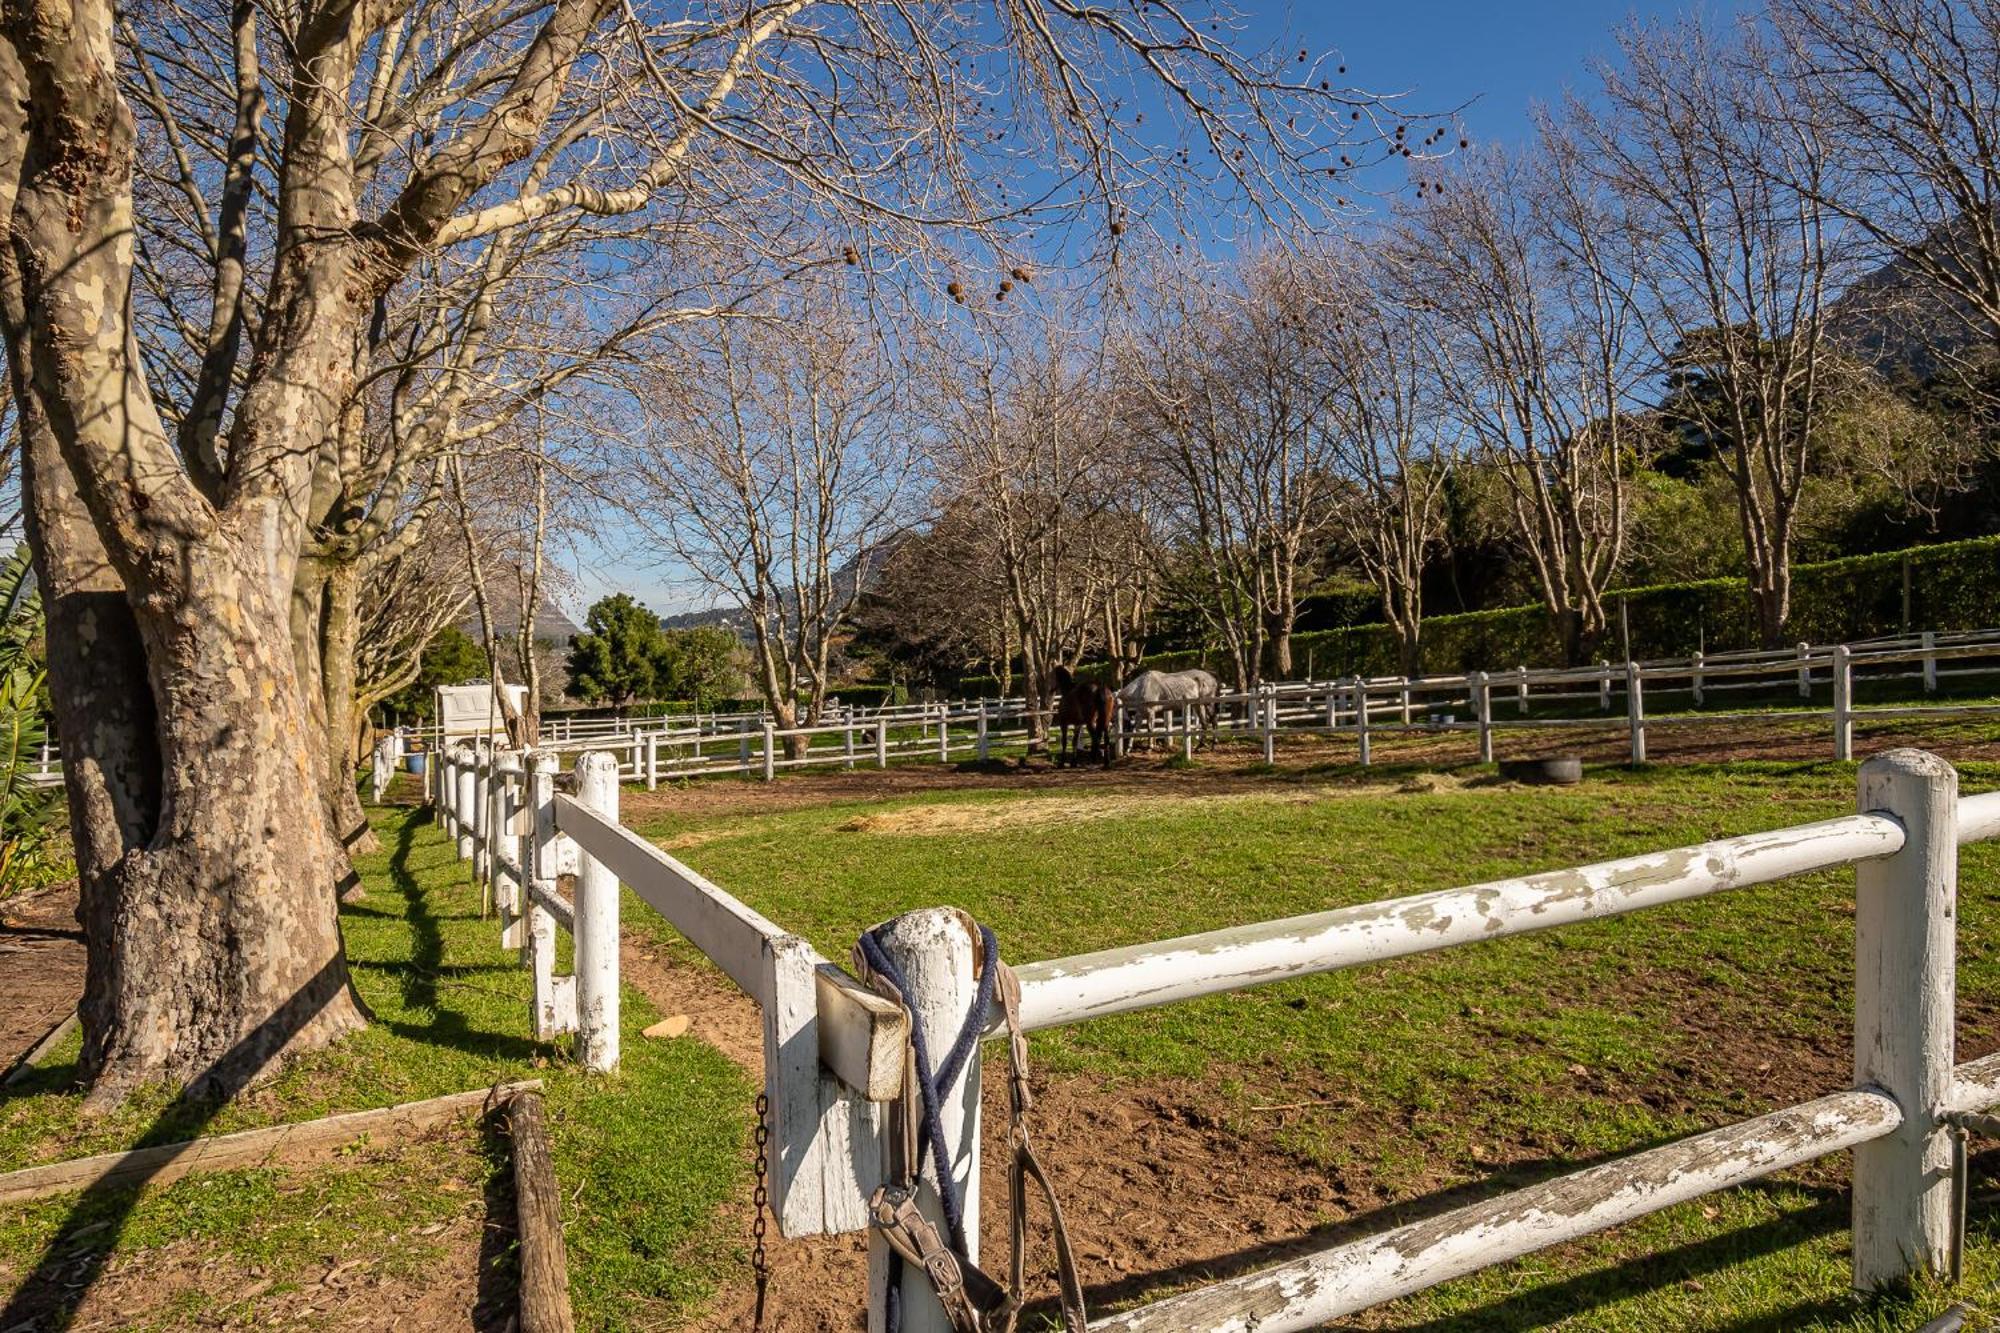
[[286, 1145]]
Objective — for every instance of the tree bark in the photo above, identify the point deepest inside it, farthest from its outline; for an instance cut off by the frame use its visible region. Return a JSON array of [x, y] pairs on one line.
[[210, 930], [339, 628]]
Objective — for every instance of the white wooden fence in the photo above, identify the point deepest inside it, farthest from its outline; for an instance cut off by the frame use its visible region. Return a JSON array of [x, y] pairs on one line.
[[834, 1051]]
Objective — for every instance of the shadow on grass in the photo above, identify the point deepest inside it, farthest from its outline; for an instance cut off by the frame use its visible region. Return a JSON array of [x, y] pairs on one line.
[[422, 975]]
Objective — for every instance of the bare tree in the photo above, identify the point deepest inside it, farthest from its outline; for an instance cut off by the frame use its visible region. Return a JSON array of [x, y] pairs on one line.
[[1395, 438], [776, 462], [1229, 397], [1741, 262], [173, 498], [1901, 95], [1540, 352]]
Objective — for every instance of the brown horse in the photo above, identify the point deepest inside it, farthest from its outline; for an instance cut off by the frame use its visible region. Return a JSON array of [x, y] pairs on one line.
[[1082, 706]]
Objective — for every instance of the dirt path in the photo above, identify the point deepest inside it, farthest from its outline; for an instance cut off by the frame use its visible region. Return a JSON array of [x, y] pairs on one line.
[[41, 967]]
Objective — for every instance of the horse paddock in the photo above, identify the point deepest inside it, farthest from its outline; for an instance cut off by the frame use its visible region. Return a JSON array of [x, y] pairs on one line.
[[1219, 1136]]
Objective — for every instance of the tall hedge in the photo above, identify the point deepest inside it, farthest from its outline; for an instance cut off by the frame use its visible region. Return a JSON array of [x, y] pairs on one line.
[[1954, 586]]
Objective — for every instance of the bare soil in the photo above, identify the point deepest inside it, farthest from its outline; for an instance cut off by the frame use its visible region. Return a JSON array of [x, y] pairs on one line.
[[41, 967], [440, 1276]]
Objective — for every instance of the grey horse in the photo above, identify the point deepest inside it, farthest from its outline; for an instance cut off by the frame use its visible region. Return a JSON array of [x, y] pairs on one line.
[[1150, 691]]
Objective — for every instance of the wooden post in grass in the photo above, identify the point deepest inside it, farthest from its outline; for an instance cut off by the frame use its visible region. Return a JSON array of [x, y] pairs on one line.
[[538, 1220], [1843, 703], [1269, 707], [1805, 671], [935, 954], [881, 742], [652, 761], [1604, 686], [847, 741], [944, 733], [1930, 662], [482, 810], [1187, 731], [1904, 993], [1635, 711], [597, 925], [1482, 707], [1361, 718], [770, 753], [982, 731], [1404, 681], [1695, 677], [1521, 689]]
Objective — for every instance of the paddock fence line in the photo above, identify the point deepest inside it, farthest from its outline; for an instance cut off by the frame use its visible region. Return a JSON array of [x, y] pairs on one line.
[[834, 1050]]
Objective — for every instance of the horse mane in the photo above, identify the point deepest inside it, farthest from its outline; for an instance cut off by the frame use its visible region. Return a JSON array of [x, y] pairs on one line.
[[1061, 678]]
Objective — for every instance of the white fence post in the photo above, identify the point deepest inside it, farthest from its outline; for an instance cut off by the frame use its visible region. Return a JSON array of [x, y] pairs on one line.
[[1521, 689], [513, 848], [1699, 658], [1604, 686], [847, 740], [1270, 711], [982, 731], [652, 761], [1805, 671], [770, 753], [935, 955], [597, 925], [1361, 718], [1930, 662], [1904, 992], [539, 869], [881, 742], [1404, 681], [1635, 711], [944, 733], [468, 802], [1482, 705], [1843, 703], [482, 811]]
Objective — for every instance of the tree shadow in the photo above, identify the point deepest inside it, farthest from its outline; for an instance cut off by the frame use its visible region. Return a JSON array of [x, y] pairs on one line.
[[498, 1298], [84, 1241]]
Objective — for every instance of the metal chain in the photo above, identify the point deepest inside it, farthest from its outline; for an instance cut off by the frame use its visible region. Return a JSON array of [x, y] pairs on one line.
[[760, 1263]]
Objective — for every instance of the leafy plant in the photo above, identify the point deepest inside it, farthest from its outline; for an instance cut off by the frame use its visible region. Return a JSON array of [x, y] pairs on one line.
[[27, 811]]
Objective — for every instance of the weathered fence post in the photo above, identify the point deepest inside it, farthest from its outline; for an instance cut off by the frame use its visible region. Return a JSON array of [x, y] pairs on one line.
[[1187, 731], [847, 740], [1805, 671], [596, 929], [770, 753], [468, 803], [1521, 689], [1482, 707], [935, 954], [482, 810], [1843, 702], [944, 733], [743, 743], [540, 873], [1270, 710], [652, 761], [1361, 718], [1635, 711], [982, 731], [1695, 677], [1404, 681], [1604, 686], [513, 852], [1930, 662], [881, 742], [1904, 992]]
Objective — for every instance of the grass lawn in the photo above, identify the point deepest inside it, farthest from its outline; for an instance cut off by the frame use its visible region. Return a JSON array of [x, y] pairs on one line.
[[644, 1158], [1474, 1068]]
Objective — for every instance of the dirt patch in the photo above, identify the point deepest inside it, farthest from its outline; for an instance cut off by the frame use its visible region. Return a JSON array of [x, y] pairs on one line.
[[41, 967], [429, 1278]]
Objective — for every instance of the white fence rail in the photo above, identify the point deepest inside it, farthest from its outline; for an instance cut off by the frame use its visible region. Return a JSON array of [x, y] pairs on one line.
[[834, 1051]]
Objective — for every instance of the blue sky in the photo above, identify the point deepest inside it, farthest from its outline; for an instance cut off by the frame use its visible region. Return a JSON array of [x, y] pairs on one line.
[[1500, 56]]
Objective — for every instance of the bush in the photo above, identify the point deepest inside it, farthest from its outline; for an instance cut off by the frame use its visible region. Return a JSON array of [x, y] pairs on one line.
[[1953, 586]]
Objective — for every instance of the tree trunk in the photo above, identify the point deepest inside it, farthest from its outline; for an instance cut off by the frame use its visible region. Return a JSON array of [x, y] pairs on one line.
[[213, 944], [339, 630]]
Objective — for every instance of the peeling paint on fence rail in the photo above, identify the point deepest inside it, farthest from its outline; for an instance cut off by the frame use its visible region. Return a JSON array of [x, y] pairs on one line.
[[1308, 1292], [1094, 985]]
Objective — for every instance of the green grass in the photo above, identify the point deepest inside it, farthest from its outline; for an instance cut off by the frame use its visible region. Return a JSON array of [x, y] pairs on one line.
[[1503, 1062], [645, 1157]]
